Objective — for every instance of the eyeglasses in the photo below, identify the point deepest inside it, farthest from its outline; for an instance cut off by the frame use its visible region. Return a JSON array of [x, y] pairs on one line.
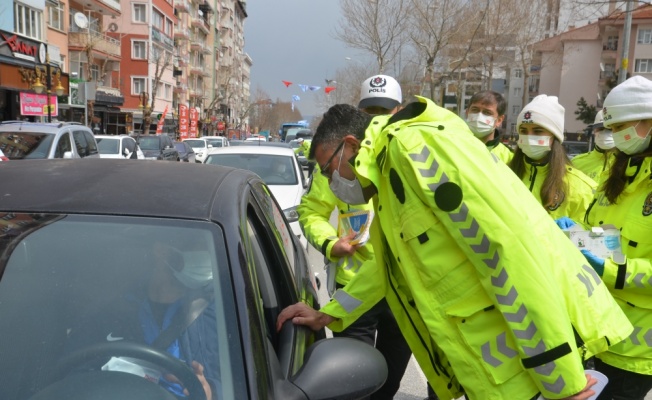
[[324, 170]]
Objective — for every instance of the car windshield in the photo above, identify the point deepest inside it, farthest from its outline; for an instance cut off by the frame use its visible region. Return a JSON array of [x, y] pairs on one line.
[[108, 146], [180, 147], [273, 169], [149, 143], [26, 145], [75, 290], [196, 143], [215, 142]]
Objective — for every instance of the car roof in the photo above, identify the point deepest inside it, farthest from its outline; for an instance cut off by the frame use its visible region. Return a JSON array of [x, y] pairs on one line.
[[123, 187], [38, 127], [246, 149], [113, 136]]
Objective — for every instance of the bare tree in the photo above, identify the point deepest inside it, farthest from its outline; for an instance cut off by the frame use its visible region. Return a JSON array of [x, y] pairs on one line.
[[443, 32], [376, 27], [162, 60]]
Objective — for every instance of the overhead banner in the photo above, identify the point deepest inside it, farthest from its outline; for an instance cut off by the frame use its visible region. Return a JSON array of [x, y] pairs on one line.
[[183, 121], [37, 104]]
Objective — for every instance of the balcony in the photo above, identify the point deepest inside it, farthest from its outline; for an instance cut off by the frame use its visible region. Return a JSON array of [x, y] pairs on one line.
[[181, 33], [97, 41], [205, 7], [607, 75], [196, 45], [198, 22], [180, 89], [162, 39], [195, 92], [183, 61], [196, 70], [610, 47], [182, 6], [206, 50]]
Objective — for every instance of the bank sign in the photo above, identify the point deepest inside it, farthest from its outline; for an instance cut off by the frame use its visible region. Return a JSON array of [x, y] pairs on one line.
[[18, 47], [37, 105]]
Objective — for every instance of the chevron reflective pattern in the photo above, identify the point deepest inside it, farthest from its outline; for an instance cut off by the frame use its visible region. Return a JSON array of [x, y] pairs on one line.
[[639, 280], [349, 263], [638, 339], [584, 278], [496, 351]]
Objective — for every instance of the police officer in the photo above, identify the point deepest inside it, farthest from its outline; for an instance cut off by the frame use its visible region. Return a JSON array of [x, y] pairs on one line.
[[541, 163], [624, 199], [499, 289], [598, 159], [484, 117], [376, 326]]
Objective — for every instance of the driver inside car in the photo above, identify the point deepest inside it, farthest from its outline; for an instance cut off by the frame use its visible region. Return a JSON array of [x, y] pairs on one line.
[[172, 311]]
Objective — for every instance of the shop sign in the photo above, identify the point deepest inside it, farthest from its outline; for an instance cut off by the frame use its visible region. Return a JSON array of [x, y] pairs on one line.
[[37, 104], [183, 121], [194, 118], [11, 44]]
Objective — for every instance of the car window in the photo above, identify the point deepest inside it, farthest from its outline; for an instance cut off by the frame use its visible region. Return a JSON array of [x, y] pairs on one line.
[[180, 147], [215, 142], [90, 280], [196, 143], [63, 145], [273, 169], [108, 145], [80, 143], [90, 140], [149, 143], [27, 145], [129, 144]]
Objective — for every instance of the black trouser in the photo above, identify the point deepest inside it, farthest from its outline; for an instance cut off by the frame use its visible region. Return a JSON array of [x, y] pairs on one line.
[[379, 326], [623, 385]]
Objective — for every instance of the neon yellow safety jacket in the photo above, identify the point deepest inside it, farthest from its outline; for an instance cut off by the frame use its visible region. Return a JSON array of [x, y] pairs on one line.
[[303, 147], [593, 162], [572, 204], [504, 153], [497, 285], [629, 278]]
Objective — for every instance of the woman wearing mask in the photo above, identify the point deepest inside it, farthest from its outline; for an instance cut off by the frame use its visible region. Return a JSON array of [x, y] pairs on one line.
[[624, 199], [598, 159], [541, 162]]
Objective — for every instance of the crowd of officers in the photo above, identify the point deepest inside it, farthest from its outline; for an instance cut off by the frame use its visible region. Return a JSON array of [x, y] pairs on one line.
[[467, 267]]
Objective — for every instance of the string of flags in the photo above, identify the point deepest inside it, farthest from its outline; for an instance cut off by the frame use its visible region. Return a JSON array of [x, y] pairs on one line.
[[313, 88]]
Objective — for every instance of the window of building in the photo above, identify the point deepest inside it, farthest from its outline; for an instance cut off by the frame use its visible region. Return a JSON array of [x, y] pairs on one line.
[[643, 65], [169, 30], [28, 21], [512, 128], [516, 110], [168, 91], [518, 73], [55, 16], [140, 12], [612, 43], [139, 49], [95, 72], [138, 85], [157, 20], [517, 91], [645, 36]]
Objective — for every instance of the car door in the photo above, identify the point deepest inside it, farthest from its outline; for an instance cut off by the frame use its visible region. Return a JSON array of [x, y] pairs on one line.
[[168, 151], [92, 150], [129, 148], [81, 145], [63, 147]]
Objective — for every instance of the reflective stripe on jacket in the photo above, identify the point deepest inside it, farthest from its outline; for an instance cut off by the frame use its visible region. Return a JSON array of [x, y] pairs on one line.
[[492, 295], [630, 279]]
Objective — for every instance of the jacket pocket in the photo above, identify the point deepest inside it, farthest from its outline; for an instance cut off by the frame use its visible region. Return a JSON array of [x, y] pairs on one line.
[[636, 237], [485, 336]]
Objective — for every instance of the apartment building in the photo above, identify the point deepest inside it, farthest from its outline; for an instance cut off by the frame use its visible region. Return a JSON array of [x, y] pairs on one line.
[[584, 62]]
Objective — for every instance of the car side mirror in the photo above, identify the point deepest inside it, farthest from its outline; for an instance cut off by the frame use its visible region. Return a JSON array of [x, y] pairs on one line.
[[67, 155]]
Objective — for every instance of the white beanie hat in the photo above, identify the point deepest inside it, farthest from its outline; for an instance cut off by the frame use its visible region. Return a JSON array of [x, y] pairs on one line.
[[599, 119], [380, 91], [546, 112], [629, 101]]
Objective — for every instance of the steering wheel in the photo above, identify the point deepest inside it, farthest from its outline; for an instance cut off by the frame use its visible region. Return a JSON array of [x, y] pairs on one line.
[[135, 350]]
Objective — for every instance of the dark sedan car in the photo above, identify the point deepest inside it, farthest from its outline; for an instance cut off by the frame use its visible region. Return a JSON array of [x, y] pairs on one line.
[[133, 290], [186, 153], [157, 147]]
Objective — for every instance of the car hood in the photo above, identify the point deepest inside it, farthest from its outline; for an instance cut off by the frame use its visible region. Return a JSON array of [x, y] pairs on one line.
[[287, 195]]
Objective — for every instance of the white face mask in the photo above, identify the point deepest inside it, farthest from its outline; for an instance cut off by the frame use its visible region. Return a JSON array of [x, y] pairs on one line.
[[481, 125], [535, 147], [348, 191], [605, 140], [628, 141]]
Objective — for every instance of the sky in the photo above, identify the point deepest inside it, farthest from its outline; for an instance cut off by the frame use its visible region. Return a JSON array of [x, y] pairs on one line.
[[293, 40]]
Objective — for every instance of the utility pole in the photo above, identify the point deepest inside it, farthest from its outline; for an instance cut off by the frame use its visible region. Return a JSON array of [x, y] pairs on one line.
[[624, 61]]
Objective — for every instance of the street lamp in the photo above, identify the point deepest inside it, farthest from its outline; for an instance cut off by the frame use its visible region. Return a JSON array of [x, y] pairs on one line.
[[46, 73]]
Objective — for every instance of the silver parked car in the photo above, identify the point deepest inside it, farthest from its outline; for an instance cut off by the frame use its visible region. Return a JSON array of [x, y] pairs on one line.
[[34, 140]]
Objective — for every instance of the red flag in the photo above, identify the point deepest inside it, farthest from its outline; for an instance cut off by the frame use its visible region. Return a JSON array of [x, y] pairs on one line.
[[159, 125], [328, 89], [286, 83]]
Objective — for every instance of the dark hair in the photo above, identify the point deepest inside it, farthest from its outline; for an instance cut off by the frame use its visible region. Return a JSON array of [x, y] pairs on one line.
[[490, 97], [339, 121], [614, 185], [553, 184]]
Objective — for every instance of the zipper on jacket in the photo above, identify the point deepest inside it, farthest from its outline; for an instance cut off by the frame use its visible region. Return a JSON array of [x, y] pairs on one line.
[[533, 176], [588, 210]]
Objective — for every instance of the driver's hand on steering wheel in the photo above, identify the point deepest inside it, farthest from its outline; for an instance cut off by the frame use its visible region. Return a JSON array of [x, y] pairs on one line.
[[198, 369]]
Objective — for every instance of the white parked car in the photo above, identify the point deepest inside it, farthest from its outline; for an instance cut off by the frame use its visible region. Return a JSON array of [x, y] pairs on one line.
[[256, 138], [279, 169], [217, 141], [200, 146], [118, 146], [37, 140]]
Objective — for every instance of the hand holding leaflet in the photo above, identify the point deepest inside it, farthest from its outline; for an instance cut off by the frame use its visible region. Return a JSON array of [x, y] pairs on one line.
[[356, 222]]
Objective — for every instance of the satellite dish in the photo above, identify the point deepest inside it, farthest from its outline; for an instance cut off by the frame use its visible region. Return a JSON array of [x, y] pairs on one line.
[[80, 20]]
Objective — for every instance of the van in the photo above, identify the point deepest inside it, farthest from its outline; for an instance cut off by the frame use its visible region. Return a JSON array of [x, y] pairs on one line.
[[37, 140]]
